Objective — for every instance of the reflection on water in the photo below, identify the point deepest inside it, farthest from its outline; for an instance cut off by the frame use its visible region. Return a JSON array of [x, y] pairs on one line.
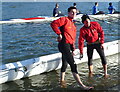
[[50, 81]]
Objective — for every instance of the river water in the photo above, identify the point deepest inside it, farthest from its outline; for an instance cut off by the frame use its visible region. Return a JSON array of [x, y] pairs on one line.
[[50, 81], [29, 40]]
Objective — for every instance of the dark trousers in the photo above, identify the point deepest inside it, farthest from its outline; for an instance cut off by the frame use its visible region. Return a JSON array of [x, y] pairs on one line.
[[67, 57], [90, 49]]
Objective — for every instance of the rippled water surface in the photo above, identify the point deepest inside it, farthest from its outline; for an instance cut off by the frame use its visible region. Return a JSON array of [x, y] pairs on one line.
[[50, 81], [29, 40], [24, 41]]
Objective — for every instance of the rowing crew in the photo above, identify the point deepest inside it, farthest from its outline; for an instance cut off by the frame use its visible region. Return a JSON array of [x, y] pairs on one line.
[[92, 32], [95, 10], [111, 9]]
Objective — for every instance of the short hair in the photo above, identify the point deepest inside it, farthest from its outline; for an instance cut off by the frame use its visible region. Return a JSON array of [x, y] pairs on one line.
[[96, 3], [70, 8], [84, 17], [74, 4], [56, 4], [110, 3]]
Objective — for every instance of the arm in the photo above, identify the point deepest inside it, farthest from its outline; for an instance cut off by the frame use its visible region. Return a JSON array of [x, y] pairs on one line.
[[55, 12], [59, 38], [56, 24], [81, 41], [101, 33]]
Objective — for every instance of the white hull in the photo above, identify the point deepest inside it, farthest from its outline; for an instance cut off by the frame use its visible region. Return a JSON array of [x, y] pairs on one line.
[[104, 16], [78, 17], [15, 21], [35, 66]]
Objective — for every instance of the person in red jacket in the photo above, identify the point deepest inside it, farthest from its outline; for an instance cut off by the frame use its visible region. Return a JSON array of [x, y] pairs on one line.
[[66, 30], [93, 33]]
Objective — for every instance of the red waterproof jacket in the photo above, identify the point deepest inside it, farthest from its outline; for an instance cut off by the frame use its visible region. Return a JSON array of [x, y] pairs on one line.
[[91, 35], [68, 29]]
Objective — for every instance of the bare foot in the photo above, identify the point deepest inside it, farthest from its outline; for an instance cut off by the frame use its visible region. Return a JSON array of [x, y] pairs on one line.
[[88, 88], [106, 75], [63, 84], [90, 74]]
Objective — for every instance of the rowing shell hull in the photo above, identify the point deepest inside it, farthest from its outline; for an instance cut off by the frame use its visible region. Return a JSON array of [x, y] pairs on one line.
[[43, 18], [35, 66], [35, 20]]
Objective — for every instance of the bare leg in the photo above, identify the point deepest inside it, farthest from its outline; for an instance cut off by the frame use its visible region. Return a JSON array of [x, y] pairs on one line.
[[62, 80], [90, 71], [62, 76], [105, 71], [77, 78]]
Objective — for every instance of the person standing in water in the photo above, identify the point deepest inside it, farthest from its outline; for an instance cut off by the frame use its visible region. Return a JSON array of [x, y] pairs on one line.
[[66, 30], [93, 33]]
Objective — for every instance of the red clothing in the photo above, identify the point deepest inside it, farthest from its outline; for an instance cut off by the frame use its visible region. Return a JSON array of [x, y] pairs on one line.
[[68, 28], [91, 34]]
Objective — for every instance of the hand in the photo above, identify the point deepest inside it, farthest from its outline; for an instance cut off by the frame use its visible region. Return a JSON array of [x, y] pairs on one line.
[[59, 38], [102, 46], [56, 15], [73, 53], [72, 47], [81, 56]]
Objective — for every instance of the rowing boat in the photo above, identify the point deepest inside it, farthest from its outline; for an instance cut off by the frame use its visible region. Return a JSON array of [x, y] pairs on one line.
[[35, 66], [102, 16], [47, 18], [28, 20]]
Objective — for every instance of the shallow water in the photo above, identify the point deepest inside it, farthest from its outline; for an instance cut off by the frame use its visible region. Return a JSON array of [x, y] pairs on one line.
[[50, 81], [29, 40]]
